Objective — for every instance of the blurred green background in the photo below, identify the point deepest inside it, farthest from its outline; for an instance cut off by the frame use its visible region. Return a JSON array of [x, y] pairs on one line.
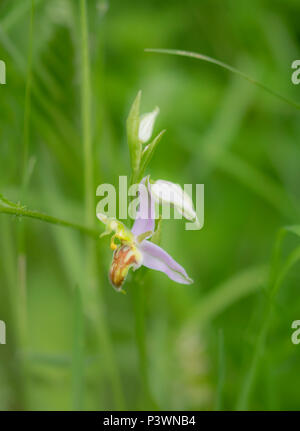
[[210, 345]]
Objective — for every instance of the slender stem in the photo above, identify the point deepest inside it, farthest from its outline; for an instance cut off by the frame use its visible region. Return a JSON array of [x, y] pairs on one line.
[[22, 261], [244, 395], [89, 292], [15, 365], [138, 296], [92, 295], [249, 380], [221, 376], [27, 103], [275, 280], [24, 212], [86, 117], [225, 66], [22, 318], [77, 365]]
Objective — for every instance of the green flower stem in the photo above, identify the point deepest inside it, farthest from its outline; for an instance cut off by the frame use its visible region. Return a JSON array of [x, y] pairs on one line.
[[24, 212], [138, 296]]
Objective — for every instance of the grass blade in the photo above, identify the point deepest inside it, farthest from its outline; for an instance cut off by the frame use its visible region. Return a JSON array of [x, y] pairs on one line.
[[226, 294], [78, 353], [276, 278], [221, 377], [227, 67]]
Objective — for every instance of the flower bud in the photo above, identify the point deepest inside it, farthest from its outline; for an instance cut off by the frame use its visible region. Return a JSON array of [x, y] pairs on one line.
[[146, 125]]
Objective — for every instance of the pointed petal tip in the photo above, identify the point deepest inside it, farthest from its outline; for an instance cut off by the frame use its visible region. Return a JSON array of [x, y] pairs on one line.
[[155, 257], [189, 281], [185, 279]]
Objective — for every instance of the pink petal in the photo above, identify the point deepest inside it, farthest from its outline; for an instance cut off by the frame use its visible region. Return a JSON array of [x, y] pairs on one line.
[[145, 218], [154, 257]]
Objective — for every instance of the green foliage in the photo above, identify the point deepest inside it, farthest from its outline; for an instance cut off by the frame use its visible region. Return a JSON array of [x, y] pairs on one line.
[[140, 157], [222, 342], [134, 144], [147, 154]]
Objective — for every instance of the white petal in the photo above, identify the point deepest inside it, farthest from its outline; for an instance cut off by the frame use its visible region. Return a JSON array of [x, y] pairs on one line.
[[170, 193], [146, 125]]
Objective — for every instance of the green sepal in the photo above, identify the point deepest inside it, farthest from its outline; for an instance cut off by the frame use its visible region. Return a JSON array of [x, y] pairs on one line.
[[156, 237], [135, 146], [148, 153]]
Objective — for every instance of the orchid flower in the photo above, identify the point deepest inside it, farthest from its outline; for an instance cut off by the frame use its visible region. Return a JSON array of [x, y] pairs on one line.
[[134, 248]]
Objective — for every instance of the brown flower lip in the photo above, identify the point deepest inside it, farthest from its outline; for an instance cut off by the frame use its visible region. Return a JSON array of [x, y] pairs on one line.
[[124, 257]]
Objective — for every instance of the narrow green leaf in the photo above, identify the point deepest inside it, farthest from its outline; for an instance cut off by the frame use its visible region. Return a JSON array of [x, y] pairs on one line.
[[249, 381], [277, 275], [221, 373], [148, 153], [227, 293], [227, 67], [24, 212], [257, 181], [78, 352], [156, 237], [133, 121]]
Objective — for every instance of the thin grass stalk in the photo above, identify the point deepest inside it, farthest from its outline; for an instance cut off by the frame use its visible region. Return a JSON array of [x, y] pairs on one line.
[[221, 366], [88, 293], [276, 278], [92, 294], [86, 118], [78, 366], [22, 318], [22, 264], [227, 67], [8, 264], [24, 212]]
